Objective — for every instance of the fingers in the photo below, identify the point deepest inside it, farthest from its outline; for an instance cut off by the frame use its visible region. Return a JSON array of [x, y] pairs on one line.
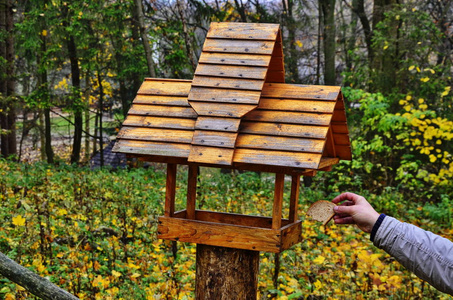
[[354, 198], [344, 210], [343, 220]]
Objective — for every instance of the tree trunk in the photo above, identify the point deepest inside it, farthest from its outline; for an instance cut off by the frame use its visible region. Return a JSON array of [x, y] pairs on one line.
[[76, 100], [241, 10], [186, 35], [329, 45], [226, 273], [7, 85], [144, 36], [35, 284], [385, 64], [360, 10], [44, 85], [290, 24], [101, 107]]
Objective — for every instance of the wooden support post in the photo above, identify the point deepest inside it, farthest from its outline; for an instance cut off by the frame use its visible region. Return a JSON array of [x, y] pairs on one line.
[[278, 201], [170, 191], [192, 191], [226, 273], [294, 198]]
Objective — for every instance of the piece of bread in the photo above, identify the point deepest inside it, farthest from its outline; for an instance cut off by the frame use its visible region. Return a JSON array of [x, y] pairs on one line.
[[322, 211]]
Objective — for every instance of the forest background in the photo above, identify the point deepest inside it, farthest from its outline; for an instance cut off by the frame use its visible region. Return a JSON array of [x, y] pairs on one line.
[[70, 70]]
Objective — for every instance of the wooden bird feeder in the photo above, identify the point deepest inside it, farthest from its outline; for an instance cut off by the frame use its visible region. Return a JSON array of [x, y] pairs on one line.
[[236, 113]]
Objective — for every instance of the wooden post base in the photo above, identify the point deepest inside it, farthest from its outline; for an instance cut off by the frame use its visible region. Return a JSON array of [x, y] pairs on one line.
[[226, 273]]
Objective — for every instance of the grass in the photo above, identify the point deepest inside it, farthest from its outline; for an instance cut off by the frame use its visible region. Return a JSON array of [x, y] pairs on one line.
[[93, 232]]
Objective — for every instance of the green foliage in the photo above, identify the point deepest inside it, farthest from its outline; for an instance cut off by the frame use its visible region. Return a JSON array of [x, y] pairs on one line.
[[408, 148]]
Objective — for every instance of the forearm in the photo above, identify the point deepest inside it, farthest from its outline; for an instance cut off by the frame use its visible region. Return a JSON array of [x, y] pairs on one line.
[[427, 255]]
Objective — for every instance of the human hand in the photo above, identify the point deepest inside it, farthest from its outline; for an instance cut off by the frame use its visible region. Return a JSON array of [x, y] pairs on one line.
[[354, 209]]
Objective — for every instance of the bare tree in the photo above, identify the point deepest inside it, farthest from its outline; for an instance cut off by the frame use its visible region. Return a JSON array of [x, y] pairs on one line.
[[7, 83]]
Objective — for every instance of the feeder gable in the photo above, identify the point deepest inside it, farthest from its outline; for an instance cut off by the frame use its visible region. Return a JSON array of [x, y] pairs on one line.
[[237, 111]]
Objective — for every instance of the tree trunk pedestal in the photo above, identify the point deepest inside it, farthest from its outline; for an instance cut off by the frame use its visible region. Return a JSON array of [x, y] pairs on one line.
[[226, 273]]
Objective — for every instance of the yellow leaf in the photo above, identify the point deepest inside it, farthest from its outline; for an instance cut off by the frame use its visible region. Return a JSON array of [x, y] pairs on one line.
[[116, 273], [424, 79], [18, 220], [10, 297], [319, 260], [44, 32], [385, 47], [318, 284], [411, 68], [299, 44], [135, 275]]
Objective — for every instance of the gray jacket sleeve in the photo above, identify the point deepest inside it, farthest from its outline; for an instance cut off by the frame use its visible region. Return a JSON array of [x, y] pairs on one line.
[[424, 253]]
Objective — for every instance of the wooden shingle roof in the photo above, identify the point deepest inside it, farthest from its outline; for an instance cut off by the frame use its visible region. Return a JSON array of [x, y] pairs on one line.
[[237, 111]]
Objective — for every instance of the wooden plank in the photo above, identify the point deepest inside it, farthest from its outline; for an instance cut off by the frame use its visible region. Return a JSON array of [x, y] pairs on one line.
[[216, 234], [276, 64], [344, 152], [224, 110], [165, 87], [237, 30], [235, 59], [297, 105], [209, 94], [214, 138], [276, 71], [308, 92], [294, 198], [248, 72], [211, 155], [275, 76], [161, 159], [291, 235], [229, 83], [341, 139], [340, 127], [218, 124], [289, 117], [156, 134], [339, 116], [191, 191], [234, 219], [340, 103], [162, 111], [281, 129], [238, 46], [161, 100], [159, 122], [170, 190], [278, 201], [254, 141], [329, 149], [328, 161], [152, 148], [277, 158]]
